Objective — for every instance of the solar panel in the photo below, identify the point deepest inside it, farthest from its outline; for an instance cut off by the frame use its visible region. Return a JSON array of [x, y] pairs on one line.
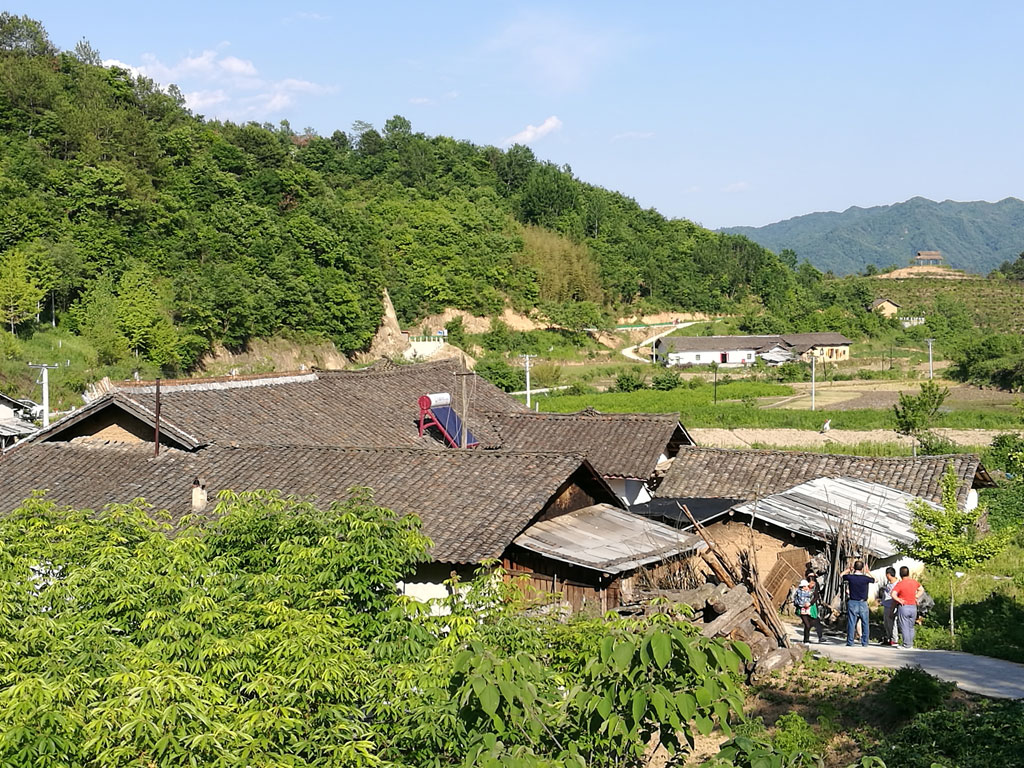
[[451, 425]]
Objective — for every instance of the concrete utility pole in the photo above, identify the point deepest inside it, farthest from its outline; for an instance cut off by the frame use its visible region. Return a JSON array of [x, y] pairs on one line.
[[931, 373], [45, 368], [814, 360], [527, 358]]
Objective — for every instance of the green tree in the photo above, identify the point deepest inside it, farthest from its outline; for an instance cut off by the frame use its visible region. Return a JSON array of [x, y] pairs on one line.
[[19, 295], [21, 34], [947, 537], [915, 413]]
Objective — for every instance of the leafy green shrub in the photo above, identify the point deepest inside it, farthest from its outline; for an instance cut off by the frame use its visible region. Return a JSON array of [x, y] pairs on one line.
[[794, 734], [696, 382], [1001, 453], [456, 332], [545, 375], [931, 444], [793, 372], [9, 346], [666, 380], [630, 381], [911, 691], [576, 388], [271, 633], [989, 736], [501, 374]]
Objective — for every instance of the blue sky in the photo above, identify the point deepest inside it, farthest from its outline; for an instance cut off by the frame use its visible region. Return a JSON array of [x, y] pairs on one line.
[[726, 113]]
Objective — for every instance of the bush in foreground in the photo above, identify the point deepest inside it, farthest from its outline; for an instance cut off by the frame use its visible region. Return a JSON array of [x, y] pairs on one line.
[[273, 635]]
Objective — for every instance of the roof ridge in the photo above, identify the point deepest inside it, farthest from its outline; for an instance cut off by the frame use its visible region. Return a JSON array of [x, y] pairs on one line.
[[782, 452], [587, 413], [391, 449]]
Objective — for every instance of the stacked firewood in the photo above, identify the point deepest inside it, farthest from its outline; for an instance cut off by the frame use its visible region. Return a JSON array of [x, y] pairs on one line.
[[737, 607]]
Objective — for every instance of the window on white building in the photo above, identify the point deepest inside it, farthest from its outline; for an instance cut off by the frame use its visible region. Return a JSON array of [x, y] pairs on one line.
[[697, 358]]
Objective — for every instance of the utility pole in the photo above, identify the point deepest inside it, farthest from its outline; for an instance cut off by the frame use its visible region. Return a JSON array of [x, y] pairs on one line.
[[45, 368], [156, 424], [463, 438], [716, 382], [814, 360], [527, 359], [930, 371]]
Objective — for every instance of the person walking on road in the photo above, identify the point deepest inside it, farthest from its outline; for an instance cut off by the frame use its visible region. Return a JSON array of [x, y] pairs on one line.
[[906, 593], [888, 606], [857, 579], [807, 609]]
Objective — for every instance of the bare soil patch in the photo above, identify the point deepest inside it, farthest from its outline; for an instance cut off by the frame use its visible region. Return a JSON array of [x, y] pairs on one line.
[[473, 324], [941, 273], [805, 438], [664, 317]]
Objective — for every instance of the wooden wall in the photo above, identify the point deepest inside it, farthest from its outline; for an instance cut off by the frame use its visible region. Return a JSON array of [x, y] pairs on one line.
[[582, 588]]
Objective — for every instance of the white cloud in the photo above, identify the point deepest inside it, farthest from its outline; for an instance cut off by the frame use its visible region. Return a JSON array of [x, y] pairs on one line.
[[633, 135], [420, 100], [737, 186], [553, 48], [237, 66], [228, 87], [198, 100], [533, 132]]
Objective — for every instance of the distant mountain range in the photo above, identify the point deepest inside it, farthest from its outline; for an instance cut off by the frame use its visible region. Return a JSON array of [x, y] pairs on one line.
[[976, 237]]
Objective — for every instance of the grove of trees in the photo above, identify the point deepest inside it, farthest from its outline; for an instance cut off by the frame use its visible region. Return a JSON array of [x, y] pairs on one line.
[[154, 234]]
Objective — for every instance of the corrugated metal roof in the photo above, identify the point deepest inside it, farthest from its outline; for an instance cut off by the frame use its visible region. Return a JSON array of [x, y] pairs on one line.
[[818, 507], [15, 428], [604, 538]]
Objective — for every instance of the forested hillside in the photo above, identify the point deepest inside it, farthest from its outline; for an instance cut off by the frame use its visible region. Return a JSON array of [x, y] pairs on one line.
[[975, 236], [150, 234]]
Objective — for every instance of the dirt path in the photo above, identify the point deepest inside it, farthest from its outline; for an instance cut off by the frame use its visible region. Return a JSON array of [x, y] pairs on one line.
[[805, 438]]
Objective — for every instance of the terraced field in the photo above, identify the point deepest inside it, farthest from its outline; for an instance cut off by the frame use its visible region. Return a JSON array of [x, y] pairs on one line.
[[995, 304]]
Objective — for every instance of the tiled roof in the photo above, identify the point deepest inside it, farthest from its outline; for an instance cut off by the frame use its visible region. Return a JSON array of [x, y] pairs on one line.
[[819, 338], [372, 407], [757, 343], [749, 474], [625, 445], [472, 503], [718, 343]]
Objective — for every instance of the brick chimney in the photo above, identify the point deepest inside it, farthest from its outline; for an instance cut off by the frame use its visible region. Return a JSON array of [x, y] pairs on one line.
[[198, 495]]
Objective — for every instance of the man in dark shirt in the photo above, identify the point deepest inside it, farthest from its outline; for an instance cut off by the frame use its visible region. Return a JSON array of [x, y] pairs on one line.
[[857, 579]]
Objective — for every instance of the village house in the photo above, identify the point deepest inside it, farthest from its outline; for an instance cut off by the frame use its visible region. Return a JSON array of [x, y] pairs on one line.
[[547, 516], [928, 259], [784, 500], [625, 448], [15, 421], [737, 351], [885, 307]]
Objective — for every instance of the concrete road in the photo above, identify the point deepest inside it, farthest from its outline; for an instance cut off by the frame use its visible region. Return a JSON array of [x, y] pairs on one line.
[[977, 674], [630, 352]]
